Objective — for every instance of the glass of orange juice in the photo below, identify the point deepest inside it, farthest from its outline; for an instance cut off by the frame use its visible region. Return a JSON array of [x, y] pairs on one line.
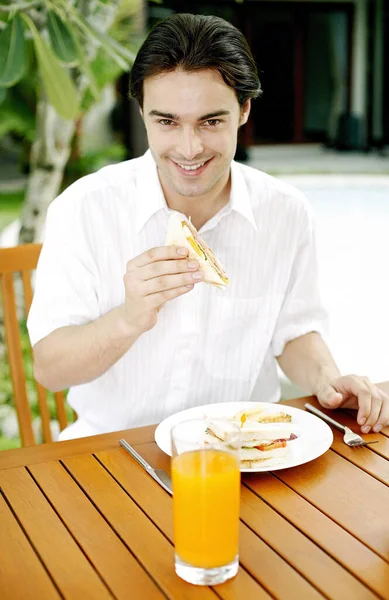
[[206, 494]]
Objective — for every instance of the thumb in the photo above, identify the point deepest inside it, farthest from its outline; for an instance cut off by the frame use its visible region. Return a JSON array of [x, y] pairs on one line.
[[329, 397]]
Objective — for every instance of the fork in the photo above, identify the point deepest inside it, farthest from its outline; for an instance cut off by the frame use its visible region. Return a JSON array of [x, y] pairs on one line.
[[350, 438]]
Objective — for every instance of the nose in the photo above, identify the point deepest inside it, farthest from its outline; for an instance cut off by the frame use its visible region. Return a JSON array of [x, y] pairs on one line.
[[189, 144]]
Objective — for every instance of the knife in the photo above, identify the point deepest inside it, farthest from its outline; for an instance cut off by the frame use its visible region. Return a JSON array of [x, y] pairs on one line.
[[159, 475]]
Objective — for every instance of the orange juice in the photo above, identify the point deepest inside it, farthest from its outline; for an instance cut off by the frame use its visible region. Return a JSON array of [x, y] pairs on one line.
[[206, 492]]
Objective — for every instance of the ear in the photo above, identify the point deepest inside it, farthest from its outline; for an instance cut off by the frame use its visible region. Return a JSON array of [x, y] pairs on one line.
[[244, 112], [141, 112]]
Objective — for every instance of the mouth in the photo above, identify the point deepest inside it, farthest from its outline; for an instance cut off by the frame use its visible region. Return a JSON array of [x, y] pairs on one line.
[[193, 170]]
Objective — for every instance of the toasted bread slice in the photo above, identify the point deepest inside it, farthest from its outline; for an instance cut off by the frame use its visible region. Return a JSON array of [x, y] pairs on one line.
[[260, 415], [183, 233]]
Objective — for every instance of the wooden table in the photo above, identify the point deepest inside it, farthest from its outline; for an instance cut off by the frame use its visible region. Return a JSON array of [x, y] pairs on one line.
[[81, 520]]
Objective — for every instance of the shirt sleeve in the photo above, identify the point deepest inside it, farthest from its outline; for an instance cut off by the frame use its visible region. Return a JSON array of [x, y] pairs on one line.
[[66, 281], [302, 310]]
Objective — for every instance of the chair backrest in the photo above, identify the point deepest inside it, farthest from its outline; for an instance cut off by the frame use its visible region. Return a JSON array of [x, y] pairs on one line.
[[22, 260]]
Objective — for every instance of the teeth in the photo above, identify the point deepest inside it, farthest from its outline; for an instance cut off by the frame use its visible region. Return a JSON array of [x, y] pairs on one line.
[[191, 168]]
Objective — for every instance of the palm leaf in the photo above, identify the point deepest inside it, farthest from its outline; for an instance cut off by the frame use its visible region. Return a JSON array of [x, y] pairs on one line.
[[13, 54], [62, 39], [119, 53], [3, 93], [58, 85]]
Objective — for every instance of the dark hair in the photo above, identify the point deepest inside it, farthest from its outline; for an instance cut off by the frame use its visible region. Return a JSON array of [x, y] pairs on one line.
[[194, 42]]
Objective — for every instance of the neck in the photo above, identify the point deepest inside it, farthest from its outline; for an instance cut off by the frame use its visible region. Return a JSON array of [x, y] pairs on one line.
[[199, 208]]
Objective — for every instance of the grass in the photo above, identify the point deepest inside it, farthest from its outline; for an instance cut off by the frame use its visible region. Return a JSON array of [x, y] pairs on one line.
[[10, 207]]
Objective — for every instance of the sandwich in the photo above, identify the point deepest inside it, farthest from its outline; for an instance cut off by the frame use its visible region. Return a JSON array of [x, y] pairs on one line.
[[260, 415], [181, 232], [264, 437]]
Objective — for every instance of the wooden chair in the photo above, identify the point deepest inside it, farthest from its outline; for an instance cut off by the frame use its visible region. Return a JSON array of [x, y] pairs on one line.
[[23, 259]]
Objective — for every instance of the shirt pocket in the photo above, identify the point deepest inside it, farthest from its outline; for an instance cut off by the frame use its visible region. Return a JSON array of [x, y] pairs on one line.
[[238, 335]]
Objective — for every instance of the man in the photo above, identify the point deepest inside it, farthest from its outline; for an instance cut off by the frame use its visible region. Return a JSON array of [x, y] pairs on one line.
[[126, 321]]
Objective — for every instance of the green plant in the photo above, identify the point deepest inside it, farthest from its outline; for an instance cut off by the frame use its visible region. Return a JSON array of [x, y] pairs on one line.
[[70, 34], [92, 161], [67, 51], [10, 206], [7, 394]]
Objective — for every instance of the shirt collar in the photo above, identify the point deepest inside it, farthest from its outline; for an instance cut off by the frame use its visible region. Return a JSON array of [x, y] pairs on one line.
[[151, 198], [240, 198]]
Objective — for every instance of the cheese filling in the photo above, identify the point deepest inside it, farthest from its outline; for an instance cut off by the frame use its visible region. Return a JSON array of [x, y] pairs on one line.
[[201, 251]]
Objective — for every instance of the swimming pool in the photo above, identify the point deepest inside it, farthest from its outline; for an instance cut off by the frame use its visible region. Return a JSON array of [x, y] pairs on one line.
[[352, 220]]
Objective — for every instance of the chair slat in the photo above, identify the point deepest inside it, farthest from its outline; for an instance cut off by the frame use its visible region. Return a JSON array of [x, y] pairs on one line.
[[44, 412], [27, 288], [41, 392], [19, 258], [23, 259], [61, 413], [15, 357]]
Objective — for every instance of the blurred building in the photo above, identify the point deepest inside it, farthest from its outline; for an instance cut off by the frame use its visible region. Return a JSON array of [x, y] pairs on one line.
[[321, 65]]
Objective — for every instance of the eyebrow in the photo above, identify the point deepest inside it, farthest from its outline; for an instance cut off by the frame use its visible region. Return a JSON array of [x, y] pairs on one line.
[[212, 115]]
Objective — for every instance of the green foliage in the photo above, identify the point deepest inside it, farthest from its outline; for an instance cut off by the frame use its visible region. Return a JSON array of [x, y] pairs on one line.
[[58, 85], [13, 53], [9, 444], [86, 30], [18, 111], [104, 70], [93, 161], [10, 208], [62, 39], [6, 390], [11, 201], [69, 33]]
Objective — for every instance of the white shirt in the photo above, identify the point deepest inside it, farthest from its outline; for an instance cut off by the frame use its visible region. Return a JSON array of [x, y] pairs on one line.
[[209, 345]]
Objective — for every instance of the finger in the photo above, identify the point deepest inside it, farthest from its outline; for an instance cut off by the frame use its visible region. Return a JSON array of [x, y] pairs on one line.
[[383, 419], [170, 282], [364, 404], [328, 397], [156, 254], [168, 267], [160, 298], [375, 409]]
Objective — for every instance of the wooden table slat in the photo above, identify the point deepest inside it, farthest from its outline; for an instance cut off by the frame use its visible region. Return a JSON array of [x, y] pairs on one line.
[[255, 555], [81, 519], [349, 496], [243, 586], [373, 459], [308, 559], [118, 567], [331, 537], [347, 418], [67, 565], [364, 563], [57, 450], [300, 552], [146, 542], [17, 551]]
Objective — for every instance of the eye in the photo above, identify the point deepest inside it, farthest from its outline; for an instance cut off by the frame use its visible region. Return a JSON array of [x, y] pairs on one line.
[[212, 122], [165, 122]]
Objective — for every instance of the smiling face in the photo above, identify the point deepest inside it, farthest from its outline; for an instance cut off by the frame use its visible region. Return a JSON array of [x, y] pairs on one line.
[[192, 120]]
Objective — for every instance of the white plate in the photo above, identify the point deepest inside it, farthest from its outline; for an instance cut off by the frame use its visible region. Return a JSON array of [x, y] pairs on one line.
[[314, 435]]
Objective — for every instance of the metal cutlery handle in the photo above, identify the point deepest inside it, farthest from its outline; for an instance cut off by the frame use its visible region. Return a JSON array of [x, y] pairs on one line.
[[137, 456], [325, 417], [159, 478]]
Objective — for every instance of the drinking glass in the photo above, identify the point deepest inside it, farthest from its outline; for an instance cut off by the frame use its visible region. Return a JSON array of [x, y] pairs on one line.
[[206, 494]]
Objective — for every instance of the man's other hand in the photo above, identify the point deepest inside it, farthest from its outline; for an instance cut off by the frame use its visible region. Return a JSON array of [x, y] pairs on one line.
[[352, 391]]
